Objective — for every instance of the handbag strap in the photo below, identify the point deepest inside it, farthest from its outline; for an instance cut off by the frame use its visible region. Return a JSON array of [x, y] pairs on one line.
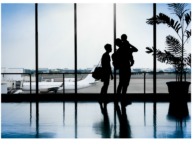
[[99, 64]]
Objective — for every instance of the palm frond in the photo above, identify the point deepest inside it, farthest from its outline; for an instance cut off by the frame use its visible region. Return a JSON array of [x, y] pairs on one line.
[[178, 8], [174, 53], [164, 19], [187, 60], [167, 57], [151, 21], [149, 50], [173, 45], [188, 18], [164, 57], [188, 34]]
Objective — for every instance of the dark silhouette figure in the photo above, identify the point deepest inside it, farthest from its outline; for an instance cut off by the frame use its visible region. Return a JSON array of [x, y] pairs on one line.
[[106, 68], [126, 61], [107, 72]]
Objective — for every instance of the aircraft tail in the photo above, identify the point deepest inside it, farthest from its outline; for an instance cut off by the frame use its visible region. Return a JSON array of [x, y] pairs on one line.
[[89, 77]]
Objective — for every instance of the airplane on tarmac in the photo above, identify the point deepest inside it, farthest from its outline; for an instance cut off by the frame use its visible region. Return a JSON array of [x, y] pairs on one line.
[[46, 87]]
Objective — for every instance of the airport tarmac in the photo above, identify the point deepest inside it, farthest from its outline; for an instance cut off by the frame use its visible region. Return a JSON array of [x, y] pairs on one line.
[[136, 83], [136, 86]]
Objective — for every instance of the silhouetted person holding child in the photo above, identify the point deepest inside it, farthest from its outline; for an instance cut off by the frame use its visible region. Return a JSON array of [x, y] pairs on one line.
[[125, 62]]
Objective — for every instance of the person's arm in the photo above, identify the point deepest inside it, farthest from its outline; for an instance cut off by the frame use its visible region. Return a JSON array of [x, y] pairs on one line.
[[131, 61], [111, 75], [110, 69], [133, 49]]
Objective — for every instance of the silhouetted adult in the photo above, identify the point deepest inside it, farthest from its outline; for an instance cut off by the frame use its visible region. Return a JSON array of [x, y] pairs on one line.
[[107, 73], [126, 61], [106, 68]]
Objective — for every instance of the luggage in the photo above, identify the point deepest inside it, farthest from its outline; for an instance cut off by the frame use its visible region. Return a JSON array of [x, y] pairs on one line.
[[98, 72]]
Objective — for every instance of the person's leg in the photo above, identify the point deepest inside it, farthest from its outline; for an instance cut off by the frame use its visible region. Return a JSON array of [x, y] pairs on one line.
[[119, 88], [127, 77], [102, 89], [126, 101], [106, 85], [101, 98], [121, 81]]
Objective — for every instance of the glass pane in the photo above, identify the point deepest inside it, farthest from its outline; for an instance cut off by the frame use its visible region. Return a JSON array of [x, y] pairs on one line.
[[162, 32], [17, 44], [132, 22], [18, 36], [95, 29], [56, 44]]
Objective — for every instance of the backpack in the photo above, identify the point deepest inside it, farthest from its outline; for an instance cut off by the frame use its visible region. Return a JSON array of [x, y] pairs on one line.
[[116, 59]]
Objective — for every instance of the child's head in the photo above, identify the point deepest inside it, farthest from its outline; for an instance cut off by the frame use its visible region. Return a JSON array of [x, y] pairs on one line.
[[124, 37]]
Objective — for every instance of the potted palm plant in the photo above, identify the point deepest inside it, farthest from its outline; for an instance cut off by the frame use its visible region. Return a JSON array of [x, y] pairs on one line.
[[175, 53]]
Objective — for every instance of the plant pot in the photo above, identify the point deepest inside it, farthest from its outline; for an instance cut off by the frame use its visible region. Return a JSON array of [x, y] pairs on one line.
[[178, 92]]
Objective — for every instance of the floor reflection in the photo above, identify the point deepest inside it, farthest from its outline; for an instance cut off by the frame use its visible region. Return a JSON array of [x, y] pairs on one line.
[[124, 128], [37, 119], [103, 127], [90, 120]]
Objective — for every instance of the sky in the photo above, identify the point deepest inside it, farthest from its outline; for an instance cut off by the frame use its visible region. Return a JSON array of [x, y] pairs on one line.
[[94, 30]]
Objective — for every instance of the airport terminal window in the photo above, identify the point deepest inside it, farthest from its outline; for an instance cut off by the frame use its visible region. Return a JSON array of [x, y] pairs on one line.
[[132, 22], [56, 39], [94, 30], [162, 32], [18, 36]]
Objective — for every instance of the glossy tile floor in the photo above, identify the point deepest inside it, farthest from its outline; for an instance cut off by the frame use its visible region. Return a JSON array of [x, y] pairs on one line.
[[86, 120]]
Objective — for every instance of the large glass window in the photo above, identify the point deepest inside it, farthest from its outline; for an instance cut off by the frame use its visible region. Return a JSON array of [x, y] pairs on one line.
[[56, 41], [56, 35], [132, 22], [18, 36], [162, 32], [94, 30], [18, 42]]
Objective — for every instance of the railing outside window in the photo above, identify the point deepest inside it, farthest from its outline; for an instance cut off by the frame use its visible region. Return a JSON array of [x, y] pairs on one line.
[[141, 82]]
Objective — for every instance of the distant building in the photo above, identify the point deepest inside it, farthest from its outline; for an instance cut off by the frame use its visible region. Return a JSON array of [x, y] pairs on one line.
[[136, 70], [43, 70], [12, 77], [141, 70], [188, 70]]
